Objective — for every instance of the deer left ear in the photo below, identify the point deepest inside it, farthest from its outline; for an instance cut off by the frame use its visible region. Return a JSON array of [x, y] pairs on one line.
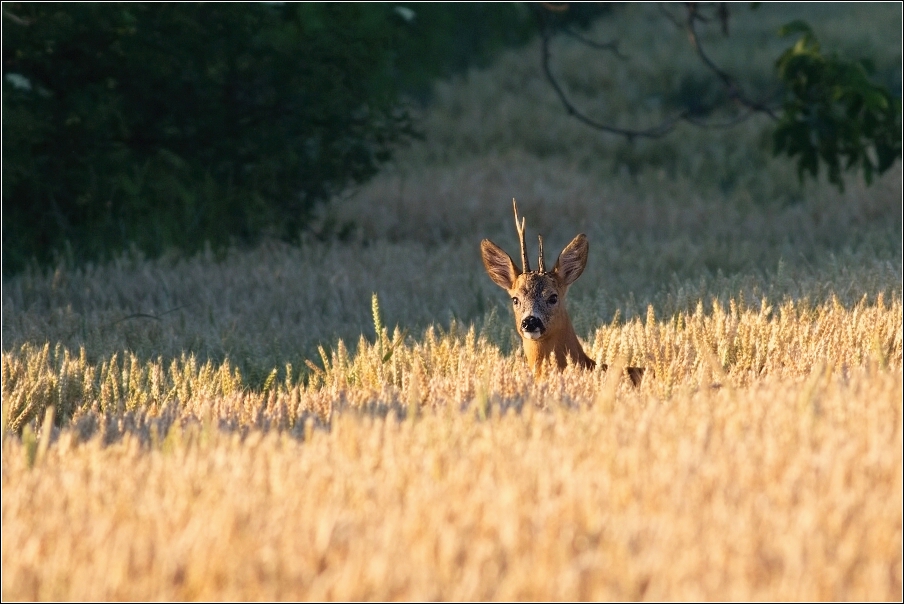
[[572, 260], [500, 266]]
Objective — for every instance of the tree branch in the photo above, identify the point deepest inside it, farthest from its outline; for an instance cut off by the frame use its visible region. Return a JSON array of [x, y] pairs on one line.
[[657, 131], [731, 85], [728, 81], [669, 16], [610, 46], [16, 19]]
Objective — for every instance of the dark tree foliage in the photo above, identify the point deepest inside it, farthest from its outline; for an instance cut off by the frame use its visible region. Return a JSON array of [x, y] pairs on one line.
[[833, 113], [171, 125]]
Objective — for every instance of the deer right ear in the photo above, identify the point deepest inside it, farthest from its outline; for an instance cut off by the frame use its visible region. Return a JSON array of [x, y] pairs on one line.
[[572, 260], [500, 266]]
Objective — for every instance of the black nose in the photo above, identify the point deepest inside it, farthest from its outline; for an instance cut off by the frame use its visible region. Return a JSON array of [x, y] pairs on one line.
[[532, 323]]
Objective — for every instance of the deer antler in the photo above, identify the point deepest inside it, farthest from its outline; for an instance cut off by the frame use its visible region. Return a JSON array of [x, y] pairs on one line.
[[542, 268], [520, 227]]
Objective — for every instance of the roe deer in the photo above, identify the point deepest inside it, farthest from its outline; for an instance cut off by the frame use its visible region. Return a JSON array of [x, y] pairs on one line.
[[538, 298]]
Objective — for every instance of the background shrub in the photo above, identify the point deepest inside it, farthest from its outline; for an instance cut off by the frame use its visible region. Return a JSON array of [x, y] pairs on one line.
[[158, 125], [171, 125]]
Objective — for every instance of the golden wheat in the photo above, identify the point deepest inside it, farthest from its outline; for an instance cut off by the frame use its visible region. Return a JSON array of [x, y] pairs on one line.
[[782, 482], [790, 489], [728, 346]]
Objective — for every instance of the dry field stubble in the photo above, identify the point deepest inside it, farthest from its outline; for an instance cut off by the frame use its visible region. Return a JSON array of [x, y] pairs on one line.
[[185, 459]]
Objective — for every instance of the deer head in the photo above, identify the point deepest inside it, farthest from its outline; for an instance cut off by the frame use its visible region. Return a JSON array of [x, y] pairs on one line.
[[538, 299]]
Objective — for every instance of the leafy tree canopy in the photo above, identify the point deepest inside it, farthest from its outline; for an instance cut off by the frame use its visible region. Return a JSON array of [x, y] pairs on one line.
[[168, 125]]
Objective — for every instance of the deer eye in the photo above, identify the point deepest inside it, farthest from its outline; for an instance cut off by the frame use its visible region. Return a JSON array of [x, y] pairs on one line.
[[553, 299], [516, 301]]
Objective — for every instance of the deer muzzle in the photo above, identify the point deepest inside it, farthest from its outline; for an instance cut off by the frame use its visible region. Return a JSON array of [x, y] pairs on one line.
[[532, 328]]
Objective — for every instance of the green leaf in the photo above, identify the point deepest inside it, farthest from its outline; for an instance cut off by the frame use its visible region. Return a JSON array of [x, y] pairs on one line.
[[832, 113]]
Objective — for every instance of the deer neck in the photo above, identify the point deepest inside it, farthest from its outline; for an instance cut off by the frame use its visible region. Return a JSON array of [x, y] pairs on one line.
[[562, 342]]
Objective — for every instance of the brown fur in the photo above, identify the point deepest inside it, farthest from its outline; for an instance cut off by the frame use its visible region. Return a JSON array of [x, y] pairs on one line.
[[539, 297]]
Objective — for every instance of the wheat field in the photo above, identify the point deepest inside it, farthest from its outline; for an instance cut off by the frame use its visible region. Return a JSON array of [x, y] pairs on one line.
[[354, 420]]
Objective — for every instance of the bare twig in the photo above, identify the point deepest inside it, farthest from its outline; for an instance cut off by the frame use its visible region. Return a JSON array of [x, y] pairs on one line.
[[137, 315], [16, 19], [608, 46], [668, 15], [142, 315], [728, 81], [723, 17]]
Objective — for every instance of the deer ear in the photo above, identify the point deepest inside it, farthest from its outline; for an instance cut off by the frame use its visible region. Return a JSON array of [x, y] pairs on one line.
[[572, 260], [500, 266]]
